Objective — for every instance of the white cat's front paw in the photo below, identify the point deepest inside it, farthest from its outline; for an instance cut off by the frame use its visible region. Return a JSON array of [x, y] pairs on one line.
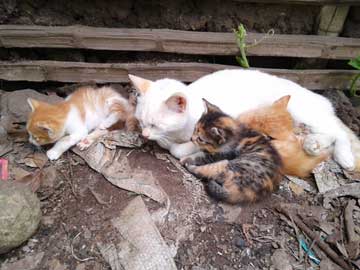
[[345, 158], [84, 144], [315, 144], [53, 154], [182, 150]]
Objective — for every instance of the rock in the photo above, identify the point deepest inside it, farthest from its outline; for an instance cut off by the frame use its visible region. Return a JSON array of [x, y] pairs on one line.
[[280, 260], [14, 107], [20, 215], [240, 242]]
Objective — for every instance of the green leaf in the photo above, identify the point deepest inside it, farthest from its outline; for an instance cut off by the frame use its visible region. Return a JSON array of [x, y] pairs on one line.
[[355, 63]]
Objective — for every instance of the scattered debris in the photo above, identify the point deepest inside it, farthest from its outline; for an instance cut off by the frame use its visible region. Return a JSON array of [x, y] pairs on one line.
[[353, 244], [73, 252], [141, 245], [298, 190], [19, 215], [325, 176], [122, 139], [313, 236], [113, 164], [30, 262], [352, 190], [35, 160], [305, 185]]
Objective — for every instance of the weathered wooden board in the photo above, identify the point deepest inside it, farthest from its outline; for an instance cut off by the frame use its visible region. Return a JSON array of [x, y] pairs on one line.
[[176, 41], [40, 71], [304, 2]]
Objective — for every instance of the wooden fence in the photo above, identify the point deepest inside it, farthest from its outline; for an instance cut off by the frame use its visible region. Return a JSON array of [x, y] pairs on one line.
[[167, 41]]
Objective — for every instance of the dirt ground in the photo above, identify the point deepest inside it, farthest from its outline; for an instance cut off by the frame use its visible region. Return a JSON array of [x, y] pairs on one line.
[[79, 204]]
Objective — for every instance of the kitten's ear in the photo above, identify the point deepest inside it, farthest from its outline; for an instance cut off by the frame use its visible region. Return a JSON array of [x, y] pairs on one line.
[[282, 102], [219, 134], [46, 127], [33, 103], [177, 103], [140, 84], [209, 107]]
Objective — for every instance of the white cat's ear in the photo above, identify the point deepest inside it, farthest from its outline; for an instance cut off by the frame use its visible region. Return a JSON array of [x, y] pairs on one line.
[[210, 107], [46, 127], [177, 103], [33, 103], [141, 85], [283, 101]]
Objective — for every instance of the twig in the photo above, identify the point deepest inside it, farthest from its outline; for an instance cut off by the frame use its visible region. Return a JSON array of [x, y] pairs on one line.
[[301, 254], [307, 253], [352, 237], [70, 166], [70, 183], [349, 221], [246, 230], [73, 253], [324, 246]]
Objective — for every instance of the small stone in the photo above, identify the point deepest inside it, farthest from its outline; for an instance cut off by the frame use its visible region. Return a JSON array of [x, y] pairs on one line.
[[240, 242], [203, 229], [55, 264], [191, 237], [87, 233], [20, 215]]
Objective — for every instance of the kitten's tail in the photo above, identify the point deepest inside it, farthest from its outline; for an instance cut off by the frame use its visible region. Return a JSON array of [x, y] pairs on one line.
[[217, 191], [355, 144], [230, 193]]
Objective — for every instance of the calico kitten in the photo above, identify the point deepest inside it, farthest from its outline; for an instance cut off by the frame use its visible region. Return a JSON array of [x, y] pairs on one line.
[[69, 122], [239, 163], [276, 122]]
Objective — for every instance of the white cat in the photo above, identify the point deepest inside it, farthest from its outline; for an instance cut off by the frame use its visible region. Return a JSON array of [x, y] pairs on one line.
[[168, 110]]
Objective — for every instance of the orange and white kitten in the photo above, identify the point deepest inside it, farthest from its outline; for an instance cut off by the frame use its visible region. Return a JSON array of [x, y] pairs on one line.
[[69, 122], [276, 122]]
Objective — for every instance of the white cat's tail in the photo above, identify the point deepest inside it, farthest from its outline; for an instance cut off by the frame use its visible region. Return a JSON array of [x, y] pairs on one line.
[[355, 143]]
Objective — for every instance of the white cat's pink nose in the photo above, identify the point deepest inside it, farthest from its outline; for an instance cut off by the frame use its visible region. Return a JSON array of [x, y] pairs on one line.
[[146, 133]]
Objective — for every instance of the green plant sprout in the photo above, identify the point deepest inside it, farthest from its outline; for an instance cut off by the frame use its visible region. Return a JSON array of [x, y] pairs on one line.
[[355, 63], [241, 43], [241, 34]]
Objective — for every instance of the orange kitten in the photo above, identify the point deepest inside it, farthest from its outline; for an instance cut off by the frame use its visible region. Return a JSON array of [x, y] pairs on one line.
[[275, 121], [70, 121]]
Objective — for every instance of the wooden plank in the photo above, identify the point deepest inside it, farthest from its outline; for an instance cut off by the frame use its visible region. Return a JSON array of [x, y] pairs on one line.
[[304, 2], [41, 71], [176, 41]]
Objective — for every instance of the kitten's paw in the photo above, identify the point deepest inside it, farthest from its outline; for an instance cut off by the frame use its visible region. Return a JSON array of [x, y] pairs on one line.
[[84, 144], [190, 167], [187, 161], [53, 154], [344, 158], [315, 144]]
